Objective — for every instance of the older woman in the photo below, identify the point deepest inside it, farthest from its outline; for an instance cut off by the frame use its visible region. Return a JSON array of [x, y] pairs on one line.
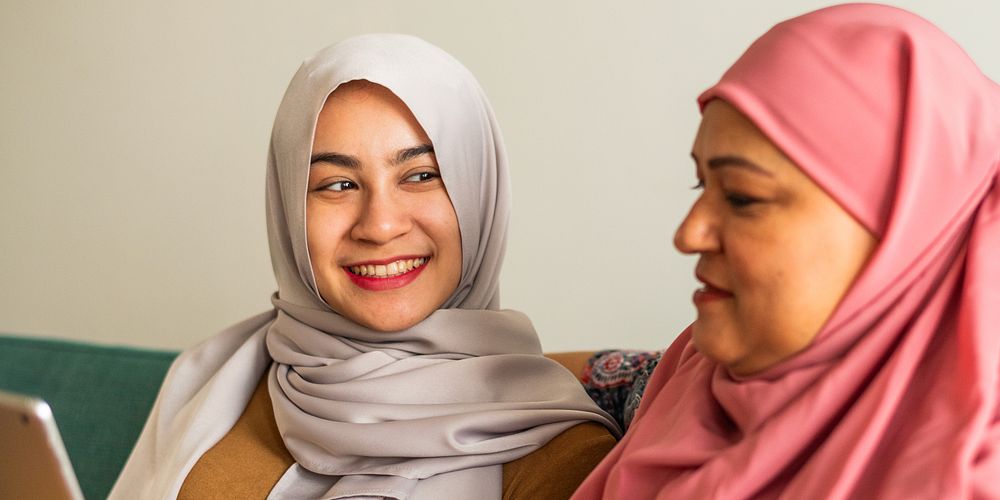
[[386, 368], [848, 234]]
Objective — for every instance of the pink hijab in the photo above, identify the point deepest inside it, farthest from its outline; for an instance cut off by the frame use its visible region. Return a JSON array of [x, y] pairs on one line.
[[897, 395]]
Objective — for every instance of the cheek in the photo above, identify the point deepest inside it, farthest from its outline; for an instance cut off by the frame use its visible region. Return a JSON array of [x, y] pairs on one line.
[[792, 285], [841, 256], [326, 227], [761, 283], [775, 282], [315, 233], [441, 224]]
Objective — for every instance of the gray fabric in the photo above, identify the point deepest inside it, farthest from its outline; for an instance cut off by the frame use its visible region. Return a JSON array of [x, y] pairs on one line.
[[450, 106], [203, 395], [413, 414]]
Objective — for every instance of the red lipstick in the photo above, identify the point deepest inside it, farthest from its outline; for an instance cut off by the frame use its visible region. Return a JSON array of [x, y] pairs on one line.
[[377, 284]]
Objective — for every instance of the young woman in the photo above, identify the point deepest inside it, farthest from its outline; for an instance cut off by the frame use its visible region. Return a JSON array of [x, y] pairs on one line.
[[848, 233], [386, 369]]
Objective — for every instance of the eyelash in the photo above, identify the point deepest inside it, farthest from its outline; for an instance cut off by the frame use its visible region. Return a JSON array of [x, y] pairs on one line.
[[349, 185], [733, 199], [740, 201], [430, 176]]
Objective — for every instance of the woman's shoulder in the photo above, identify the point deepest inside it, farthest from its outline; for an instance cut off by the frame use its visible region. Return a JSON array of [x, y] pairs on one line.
[[555, 470]]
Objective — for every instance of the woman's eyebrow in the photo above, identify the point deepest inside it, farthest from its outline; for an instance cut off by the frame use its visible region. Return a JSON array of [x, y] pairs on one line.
[[404, 155], [336, 159], [737, 161]]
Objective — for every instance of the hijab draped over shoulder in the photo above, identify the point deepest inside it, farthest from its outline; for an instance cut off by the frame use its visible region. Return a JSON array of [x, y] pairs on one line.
[[428, 412], [897, 396]]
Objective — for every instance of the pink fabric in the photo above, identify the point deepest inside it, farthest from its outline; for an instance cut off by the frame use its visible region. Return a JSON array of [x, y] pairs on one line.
[[897, 396]]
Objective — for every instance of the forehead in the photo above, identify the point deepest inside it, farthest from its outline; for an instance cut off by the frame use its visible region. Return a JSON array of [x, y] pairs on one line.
[[725, 131], [364, 114], [361, 97], [360, 90], [723, 126]]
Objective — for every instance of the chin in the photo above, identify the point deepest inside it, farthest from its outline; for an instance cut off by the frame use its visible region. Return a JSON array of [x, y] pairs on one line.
[[389, 325], [715, 343], [394, 313]]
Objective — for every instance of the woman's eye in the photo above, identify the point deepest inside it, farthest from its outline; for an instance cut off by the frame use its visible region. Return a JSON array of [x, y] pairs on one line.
[[740, 201], [699, 185], [340, 186], [422, 177]]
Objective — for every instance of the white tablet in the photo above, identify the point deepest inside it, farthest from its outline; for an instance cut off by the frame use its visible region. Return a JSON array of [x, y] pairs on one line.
[[33, 461]]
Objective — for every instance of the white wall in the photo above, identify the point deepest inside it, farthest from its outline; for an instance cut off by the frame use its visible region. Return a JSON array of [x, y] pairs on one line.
[[133, 137]]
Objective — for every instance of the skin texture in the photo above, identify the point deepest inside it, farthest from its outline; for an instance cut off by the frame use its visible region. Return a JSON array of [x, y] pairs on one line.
[[378, 208], [778, 248]]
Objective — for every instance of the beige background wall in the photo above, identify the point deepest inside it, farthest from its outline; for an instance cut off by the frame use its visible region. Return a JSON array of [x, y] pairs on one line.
[[133, 136]]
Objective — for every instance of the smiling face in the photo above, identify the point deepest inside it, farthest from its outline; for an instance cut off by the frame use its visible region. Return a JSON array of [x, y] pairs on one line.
[[776, 253], [383, 237]]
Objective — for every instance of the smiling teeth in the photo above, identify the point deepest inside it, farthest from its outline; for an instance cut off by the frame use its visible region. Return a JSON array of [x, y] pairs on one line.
[[389, 270]]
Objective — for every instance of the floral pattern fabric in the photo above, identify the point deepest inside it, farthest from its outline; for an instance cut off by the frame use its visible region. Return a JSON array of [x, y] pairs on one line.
[[616, 379]]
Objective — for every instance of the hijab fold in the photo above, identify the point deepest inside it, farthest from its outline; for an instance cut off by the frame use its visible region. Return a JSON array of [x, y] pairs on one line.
[[897, 396], [425, 413]]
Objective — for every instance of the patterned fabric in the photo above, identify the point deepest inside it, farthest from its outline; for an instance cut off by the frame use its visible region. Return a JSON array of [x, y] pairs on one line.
[[615, 380]]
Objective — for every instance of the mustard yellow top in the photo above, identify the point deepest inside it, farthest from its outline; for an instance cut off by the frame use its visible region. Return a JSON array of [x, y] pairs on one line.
[[249, 460]]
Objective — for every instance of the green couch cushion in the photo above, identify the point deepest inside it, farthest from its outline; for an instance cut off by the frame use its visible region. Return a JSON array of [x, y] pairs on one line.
[[100, 397]]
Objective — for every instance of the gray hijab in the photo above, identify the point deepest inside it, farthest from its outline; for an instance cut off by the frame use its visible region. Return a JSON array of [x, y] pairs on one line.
[[451, 107], [431, 412]]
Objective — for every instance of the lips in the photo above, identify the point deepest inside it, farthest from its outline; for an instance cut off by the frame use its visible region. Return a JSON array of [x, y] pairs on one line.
[[709, 292], [388, 270], [386, 274]]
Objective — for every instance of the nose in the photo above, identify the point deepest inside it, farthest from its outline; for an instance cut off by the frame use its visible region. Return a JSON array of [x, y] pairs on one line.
[[383, 218], [699, 231]]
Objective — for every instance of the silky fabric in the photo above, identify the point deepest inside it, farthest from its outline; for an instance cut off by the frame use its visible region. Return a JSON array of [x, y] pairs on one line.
[[896, 397], [428, 412]]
